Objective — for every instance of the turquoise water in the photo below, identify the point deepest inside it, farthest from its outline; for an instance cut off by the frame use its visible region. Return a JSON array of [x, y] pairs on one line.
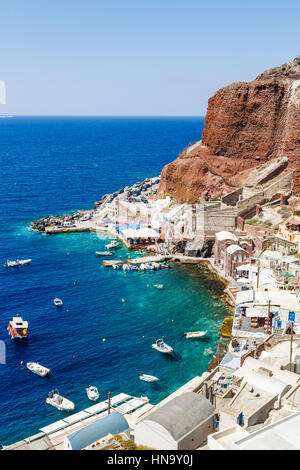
[[69, 340]]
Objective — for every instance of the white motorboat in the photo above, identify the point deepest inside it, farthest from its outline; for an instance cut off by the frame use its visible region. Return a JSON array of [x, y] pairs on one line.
[[112, 244], [150, 266], [143, 267], [159, 286], [38, 369], [18, 262], [148, 378], [104, 253], [195, 334], [162, 347], [58, 302], [92, 393], [156, 265], [126, 267], [59, 402]]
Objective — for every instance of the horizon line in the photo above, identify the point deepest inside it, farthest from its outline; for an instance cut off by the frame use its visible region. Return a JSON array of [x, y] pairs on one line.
[[107, 115]]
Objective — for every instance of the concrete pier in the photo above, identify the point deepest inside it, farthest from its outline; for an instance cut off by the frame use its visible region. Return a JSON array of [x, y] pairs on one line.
[[142, 259]]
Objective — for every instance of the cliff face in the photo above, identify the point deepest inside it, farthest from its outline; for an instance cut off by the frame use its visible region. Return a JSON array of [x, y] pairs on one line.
[[247, 127]]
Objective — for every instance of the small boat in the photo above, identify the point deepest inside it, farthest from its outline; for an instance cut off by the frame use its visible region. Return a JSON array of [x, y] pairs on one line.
[[150, 266], [164, 265], [126, 267], [23, 262], [18, 262], [18, 328], [148, 378], [112, 244], [92, 393], [195, 334], [162, 347], [159, 286], [143, 267], [104, 253], [58, 302], [59, 402], [38, 369]]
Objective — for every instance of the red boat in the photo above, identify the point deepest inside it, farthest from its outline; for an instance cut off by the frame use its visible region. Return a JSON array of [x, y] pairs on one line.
[[18, 328]]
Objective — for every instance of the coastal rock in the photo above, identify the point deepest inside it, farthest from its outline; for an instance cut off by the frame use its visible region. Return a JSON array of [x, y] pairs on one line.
[[99, 203], [247, 126]]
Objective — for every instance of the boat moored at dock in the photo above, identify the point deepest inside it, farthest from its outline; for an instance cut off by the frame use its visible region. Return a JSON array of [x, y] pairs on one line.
[[38, 369], [112, 244], [59, 402], [18, 328]]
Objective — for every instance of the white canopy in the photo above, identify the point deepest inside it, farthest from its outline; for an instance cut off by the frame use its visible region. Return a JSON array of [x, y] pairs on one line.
[[140, 233], [244, 267]]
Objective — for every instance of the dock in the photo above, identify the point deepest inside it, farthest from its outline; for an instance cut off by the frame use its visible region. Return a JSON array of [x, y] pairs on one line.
[[56, 230], [140, 260], [52, 437]]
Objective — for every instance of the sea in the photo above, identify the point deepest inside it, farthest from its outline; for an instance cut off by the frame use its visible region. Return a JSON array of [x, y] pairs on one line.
[[55, 165]]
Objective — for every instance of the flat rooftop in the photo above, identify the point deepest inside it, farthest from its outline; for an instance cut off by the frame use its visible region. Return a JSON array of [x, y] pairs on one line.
[[282, 435]]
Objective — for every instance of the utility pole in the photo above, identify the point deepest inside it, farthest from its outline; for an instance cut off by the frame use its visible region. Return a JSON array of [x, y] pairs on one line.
[[291, 346], [257, 278], [291, 319], [109, 397]]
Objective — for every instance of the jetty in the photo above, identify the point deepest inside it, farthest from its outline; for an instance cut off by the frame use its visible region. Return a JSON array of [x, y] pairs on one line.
[[140, 260], [52, 437]]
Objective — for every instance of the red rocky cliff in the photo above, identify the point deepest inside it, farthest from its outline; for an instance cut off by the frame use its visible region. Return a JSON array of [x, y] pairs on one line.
[[247, 127]]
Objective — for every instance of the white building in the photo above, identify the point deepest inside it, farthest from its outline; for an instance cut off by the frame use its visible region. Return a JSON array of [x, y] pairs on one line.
[[181, 424]]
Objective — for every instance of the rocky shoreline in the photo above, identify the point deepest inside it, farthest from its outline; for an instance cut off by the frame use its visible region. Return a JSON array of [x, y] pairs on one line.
[[138, 192]]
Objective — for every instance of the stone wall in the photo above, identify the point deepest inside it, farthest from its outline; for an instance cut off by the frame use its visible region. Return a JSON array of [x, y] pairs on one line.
[[282, 185]]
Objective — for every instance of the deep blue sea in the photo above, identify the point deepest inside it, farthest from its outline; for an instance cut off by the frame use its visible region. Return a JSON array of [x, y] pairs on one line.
[[60, 164]]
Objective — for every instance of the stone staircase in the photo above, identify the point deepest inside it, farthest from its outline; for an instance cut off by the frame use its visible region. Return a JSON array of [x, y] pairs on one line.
[[277, 332]]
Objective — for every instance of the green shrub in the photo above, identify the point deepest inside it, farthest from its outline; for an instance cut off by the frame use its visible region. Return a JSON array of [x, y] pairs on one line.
[[129, 444], [253, 221]]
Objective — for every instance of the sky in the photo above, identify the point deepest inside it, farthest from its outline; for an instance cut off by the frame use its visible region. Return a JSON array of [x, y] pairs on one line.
[[137, 57]]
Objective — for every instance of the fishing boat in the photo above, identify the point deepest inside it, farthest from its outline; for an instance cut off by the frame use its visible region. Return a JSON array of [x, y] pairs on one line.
[[162, 347], [38, 369], [58, 302], [159, 286], [112, 244], [195, 334], [18, 262], [104, 253], [92, 393], [18, 328], [148, 378], [59, 402]]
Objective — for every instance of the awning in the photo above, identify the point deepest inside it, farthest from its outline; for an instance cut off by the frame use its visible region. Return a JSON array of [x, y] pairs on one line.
[[244, 267]]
